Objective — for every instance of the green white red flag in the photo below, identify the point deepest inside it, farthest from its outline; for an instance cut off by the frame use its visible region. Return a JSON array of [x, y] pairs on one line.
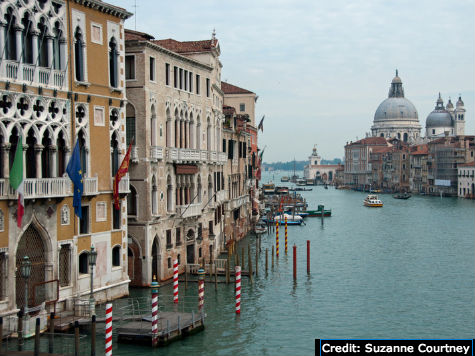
[[16, 180]]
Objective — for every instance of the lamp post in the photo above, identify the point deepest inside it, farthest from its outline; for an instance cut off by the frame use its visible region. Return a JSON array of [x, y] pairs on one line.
[[92, 263], [25, 271]]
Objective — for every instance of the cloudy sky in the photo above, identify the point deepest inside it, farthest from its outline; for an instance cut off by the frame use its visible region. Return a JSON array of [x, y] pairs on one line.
[[321, 68]]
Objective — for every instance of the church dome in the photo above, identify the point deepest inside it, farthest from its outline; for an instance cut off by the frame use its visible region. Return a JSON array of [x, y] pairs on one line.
[[439, 117]]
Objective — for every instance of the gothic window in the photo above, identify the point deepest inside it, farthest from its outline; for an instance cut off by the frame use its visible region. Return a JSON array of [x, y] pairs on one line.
[[65, 265], [61, 156], [154, 197], [27, 39], [2, 220], [3, 275], [83, 152], [116, 215], [42, 44], [169, 194], [114, 154], [79, 55], [129, 123], [116, 256], [56, 46], [14, 137], [132, 202], [65, 215], [30, 155], [10, 35], [153, 127], [46, 156], [113, 63]]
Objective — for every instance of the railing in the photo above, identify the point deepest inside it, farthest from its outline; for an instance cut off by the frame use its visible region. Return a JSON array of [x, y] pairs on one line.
[[203, 155], [213, 156], [90, 186], [186, 211], [237, 202], [156, 152], [222, 157], [38, 188], [32, 74], [172, 154]]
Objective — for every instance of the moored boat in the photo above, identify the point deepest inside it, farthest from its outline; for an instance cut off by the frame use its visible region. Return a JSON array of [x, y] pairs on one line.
[[404, 195], [268, 188], [372, 201], [285, 179], [318, 213]]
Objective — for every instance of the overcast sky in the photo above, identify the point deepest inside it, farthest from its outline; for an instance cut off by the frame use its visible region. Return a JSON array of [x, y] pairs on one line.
[[321, 68]]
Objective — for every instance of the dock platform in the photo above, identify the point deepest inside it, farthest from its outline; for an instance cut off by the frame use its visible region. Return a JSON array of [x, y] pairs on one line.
[[172, 326]]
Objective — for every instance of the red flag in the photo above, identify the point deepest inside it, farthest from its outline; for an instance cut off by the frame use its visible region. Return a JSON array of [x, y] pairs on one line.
[[123, 169]]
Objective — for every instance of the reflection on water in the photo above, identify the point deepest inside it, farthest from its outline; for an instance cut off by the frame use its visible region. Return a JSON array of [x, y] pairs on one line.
[[402, 271]]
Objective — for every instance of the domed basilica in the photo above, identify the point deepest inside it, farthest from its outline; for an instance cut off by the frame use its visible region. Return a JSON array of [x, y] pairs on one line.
[[396, 116], [442, 121]]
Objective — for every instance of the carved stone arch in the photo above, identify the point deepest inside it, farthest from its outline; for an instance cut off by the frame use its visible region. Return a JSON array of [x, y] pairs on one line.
[[134, 265], [9, 5], [65, 132], [168, 104], [3, 131], [36, 131], [49, 28]]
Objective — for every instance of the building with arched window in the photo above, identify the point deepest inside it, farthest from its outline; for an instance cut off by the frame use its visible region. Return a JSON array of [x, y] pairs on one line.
[[50, 103]]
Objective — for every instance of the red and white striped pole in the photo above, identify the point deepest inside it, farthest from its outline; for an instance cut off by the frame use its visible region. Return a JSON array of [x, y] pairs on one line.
[[175, 281], [277, 237], [109, 329], [201, 289], [238, 289], [154, 312], [285, 234]]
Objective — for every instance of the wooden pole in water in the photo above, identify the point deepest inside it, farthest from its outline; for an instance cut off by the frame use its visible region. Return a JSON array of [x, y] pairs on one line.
[[51, 333], [37, 337], [249, 262], [93, 336], [227, 270], [295, 262], [76, 338], [308, 256], [1, 332], [267, 259], [20, 330], [323, 213], [272, 257], [257, 260], [215, 276]]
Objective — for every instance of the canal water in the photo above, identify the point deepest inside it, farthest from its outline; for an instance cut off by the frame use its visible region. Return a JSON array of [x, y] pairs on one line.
[[402, 271]]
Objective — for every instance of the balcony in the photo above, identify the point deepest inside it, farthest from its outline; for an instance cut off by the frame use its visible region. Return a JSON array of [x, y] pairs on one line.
[[90, 186], [156, 153], [222, 157], [38, 188], [188, 155], [188, 211], [203, 156], [237, 202], [171, 154], [30, 74], [213, 156], [221, 196], [134, 154], [124, 185]]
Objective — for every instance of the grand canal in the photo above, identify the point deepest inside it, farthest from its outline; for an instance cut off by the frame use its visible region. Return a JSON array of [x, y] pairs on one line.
[[403, 271]]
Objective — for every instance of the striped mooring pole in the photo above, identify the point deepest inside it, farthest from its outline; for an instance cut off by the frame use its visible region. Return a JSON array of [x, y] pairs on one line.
[[154, 312], [109, 329], [238, 289], [286, 235], [277, 238], [175, 281], [201, 288]]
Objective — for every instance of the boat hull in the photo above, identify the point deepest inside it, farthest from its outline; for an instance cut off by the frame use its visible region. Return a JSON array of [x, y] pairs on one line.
[[318, 213], [373, 205]]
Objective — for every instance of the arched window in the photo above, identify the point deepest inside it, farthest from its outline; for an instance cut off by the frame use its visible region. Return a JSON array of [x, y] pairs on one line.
[[129, 123], [405, 137], [10, 35], [114, 154], [168, 130], [382, 135], [83, 262], [198, 134], [116, 256], [169, 194], [208, 136], [210, 188], [46, 156], [61, 158], [30, 155], [83, 152], [79, 55], [198, 191], [154, 197], [132, 202], [57, 46], [153, 127], [27, 39], [13, 143], [113, 63], [177, 129], [43, 44]]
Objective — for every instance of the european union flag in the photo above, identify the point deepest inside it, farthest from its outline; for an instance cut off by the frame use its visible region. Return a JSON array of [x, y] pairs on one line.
[[75, 174]]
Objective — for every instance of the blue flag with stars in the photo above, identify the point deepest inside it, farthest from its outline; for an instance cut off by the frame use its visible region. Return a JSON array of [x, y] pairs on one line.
[[74, 171]]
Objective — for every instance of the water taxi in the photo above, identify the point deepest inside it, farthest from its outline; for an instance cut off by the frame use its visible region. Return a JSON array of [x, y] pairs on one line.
[[285, 179], [268, 188], [373, 201], [404, 195]]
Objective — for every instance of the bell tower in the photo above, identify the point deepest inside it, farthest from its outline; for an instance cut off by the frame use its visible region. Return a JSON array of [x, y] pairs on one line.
[[459, 118]]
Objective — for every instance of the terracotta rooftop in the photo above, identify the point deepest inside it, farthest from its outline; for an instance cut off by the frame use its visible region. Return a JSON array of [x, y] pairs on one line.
[[232, 89], [419, 150], [187, 46], [131, 35], [371, 141], [471, 164], [381, 149]]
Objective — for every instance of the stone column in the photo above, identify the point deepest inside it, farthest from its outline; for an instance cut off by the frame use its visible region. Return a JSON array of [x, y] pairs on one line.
[[54, 159], [62, 54], [38, 150], [177, 133], [18, 34], [49, 44], [6, 159], [2, 39], [182, 134], [25, 148], [34, 52]]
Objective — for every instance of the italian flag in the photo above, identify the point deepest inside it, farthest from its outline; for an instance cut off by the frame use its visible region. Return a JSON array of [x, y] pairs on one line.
[[16, 180]]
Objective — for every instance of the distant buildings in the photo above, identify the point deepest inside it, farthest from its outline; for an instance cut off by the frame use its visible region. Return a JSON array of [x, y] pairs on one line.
[[396, 158], [318, 172]]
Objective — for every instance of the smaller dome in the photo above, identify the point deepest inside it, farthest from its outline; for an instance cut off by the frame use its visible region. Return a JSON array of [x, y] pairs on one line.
[[449, 105], [459, 102], [439, 117]]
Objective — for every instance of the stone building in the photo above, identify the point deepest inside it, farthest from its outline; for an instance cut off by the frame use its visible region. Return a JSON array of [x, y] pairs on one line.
[[177, 183], [419, 169], [466, 180], [446, 120], [61, 79], [317, 172], [396, 116]]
